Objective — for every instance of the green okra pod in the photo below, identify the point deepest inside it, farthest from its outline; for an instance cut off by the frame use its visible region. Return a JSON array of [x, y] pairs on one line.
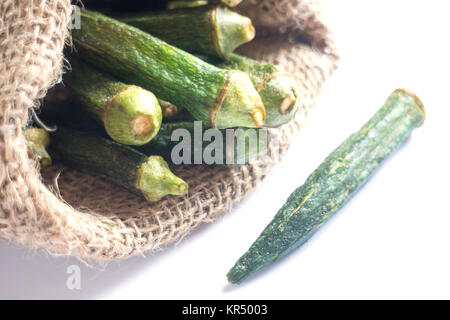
[[222, 98], [130, 114], [211, 30], [37, 142], [333, 183], [142, 175], [193, 143], [279, 90]]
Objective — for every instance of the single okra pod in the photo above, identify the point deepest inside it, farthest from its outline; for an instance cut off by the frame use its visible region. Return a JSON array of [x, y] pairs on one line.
[[333, 183], [185, 4], [37, 143], [235, 147], [223, 98], [130, 114], [279, 90], [142, 175], [211, 30]]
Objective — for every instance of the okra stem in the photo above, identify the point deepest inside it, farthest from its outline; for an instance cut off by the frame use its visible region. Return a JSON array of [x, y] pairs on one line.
[[37, 142], [142, 175], [223, 98], [130, 114], [279, 90], [168, 109], [211, 30]]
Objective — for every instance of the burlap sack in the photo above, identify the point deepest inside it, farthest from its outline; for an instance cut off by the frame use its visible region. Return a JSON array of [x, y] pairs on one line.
[[85, 216]]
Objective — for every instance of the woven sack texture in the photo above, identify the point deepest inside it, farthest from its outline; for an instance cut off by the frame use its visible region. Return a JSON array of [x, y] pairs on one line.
[[67, 212]]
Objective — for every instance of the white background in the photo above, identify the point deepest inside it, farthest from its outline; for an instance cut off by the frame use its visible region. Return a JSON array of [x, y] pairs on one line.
[[391, 241]]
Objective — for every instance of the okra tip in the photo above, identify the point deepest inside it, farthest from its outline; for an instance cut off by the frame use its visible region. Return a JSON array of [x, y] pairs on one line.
[[232, 30], [251, 262], [133, 116], [238, 273], [156, 180], [239, 104]]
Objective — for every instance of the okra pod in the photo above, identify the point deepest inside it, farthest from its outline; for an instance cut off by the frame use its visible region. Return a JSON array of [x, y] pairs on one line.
[[279, 90], [333, 183], [223, 98], [37, 142], [130, 114], [235, 147], [142, 175], [211, 30]]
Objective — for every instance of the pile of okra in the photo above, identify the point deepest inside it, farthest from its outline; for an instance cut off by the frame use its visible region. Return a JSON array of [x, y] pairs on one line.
[[137, 78]]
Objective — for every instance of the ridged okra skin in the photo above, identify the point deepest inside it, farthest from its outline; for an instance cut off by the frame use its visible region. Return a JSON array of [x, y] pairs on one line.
[[222, 98], [333, 183], [142, 175], [279, 90], [239, 145], [130, 114], [37, 143], [211, 30]]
